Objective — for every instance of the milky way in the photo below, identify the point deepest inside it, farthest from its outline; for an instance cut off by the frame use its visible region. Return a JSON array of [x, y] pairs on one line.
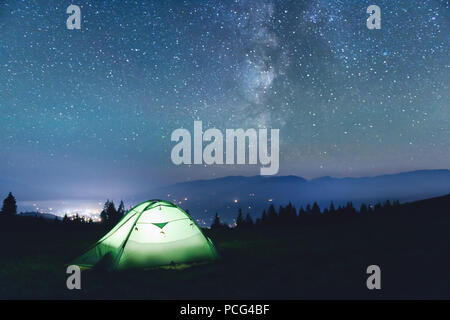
[[89, 113]]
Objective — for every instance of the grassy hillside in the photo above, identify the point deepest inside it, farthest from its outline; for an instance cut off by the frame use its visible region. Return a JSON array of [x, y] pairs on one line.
[[321, 259]]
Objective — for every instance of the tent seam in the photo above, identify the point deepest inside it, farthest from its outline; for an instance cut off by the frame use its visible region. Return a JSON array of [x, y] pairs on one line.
[[122, 249]]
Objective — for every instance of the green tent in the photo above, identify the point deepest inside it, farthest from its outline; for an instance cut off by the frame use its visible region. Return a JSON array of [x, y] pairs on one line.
[[153, 233]]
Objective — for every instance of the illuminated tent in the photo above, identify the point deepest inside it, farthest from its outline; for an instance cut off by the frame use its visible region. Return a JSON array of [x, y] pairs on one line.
[[153, 233]]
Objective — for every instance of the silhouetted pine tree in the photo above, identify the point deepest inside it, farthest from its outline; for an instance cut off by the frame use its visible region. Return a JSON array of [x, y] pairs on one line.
[[239, 219], [248, 222], [282, 215], [315, 209], [301, 215], [349, 209], [301, 212], [308, 209], [363, 209], [109, 214], [272, 215], [377, 207], [264, 217], [120, 210], [291, 212], [287, 214], [9, 206], [332, 208], [217, 224]]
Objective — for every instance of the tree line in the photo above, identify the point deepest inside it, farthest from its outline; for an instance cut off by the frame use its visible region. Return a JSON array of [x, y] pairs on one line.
[[288, 214], [109, 216], [285, 215]]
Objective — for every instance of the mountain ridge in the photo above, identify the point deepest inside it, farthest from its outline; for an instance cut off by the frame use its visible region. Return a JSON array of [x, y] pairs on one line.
[[312, 179], [254, 193]]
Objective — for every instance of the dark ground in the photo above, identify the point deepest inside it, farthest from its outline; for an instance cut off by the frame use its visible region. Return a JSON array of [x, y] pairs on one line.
[[322, 259]]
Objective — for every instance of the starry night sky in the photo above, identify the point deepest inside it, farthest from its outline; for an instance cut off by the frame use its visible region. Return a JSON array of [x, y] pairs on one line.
[[88, 113]]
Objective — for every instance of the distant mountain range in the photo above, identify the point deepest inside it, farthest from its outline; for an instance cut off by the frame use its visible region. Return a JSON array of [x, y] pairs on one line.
[[253, 194]]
